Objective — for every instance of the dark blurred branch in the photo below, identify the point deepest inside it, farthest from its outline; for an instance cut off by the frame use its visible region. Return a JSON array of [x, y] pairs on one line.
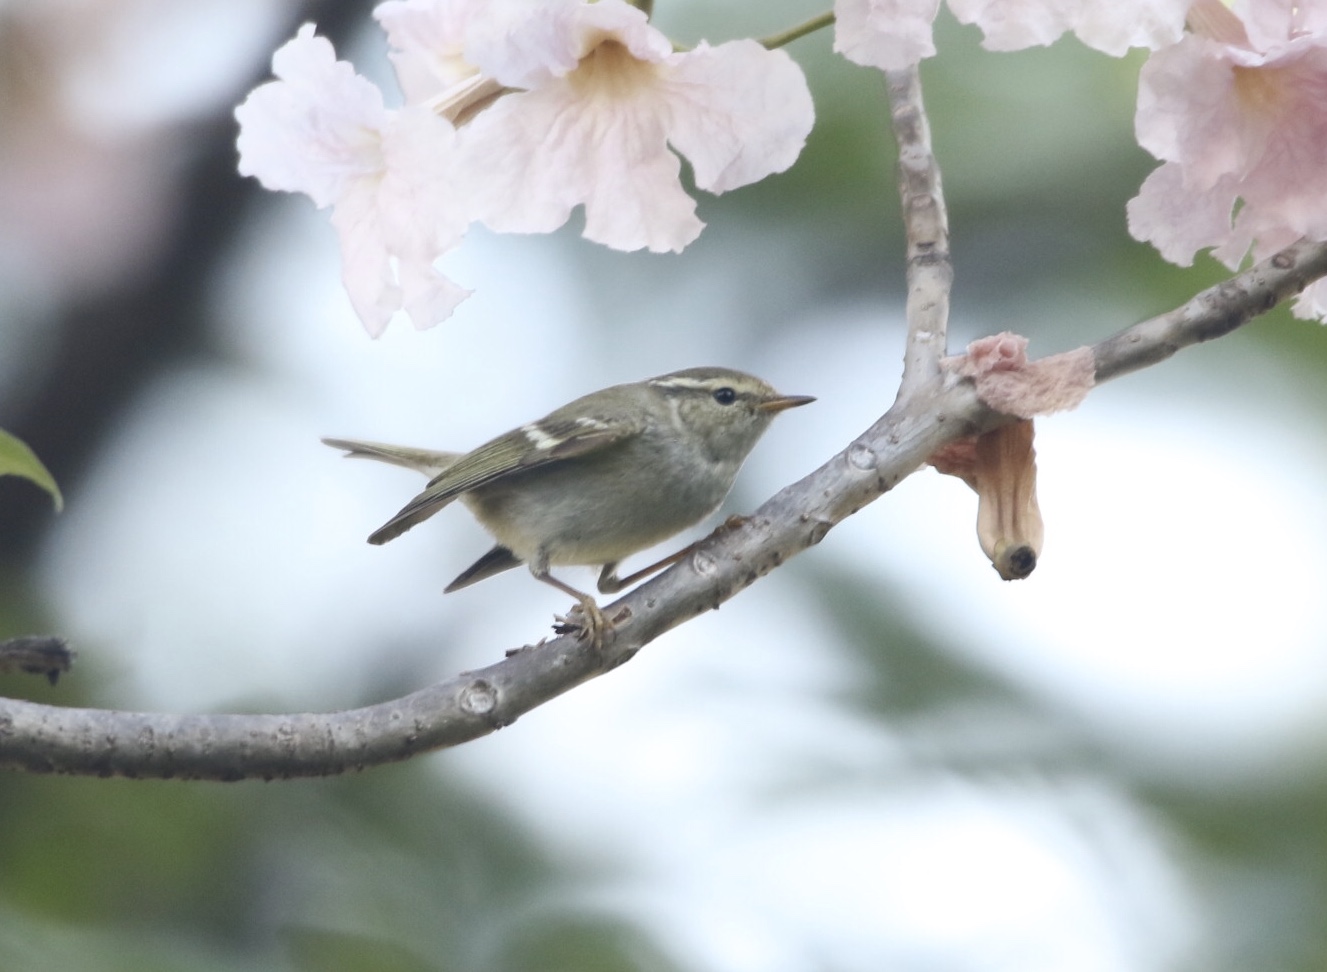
[[111, 345], [36, 655]]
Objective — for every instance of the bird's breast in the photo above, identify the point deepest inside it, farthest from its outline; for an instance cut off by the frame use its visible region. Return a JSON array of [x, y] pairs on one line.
[[601, 508]]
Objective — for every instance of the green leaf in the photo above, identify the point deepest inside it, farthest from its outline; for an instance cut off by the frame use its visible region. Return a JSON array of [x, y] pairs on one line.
[[16, 459]]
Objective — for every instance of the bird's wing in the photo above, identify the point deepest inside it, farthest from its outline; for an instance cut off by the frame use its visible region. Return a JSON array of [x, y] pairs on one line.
[[547, 441]]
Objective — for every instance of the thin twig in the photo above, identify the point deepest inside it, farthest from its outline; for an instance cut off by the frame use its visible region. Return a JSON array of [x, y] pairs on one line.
[[801, 30], [930, 271], [1214, 312]]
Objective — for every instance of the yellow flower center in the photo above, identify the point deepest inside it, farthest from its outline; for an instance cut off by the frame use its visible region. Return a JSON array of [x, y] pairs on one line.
[[612, 71], [1260, 90]]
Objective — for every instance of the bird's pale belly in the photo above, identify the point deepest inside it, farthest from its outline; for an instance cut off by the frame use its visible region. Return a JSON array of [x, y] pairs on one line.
[[613, 524]]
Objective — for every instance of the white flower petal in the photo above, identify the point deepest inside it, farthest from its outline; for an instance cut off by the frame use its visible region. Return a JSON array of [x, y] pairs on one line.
[[366, 265], [608, 97], [314, 129], [526, 44], [427, 43], [1311, 304], [385, 267], [886, 34], [739, 112], [1176, 219], [427, 295], [534, 156], [416, 192], [321, 129], [1110, 26], [1113, 27]]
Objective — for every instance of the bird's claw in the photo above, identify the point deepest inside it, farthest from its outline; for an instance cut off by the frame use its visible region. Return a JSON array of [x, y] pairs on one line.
[[586, 621]]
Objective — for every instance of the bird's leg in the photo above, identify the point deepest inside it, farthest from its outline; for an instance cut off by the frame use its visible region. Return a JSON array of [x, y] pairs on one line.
[[610, 583], [592, 624]]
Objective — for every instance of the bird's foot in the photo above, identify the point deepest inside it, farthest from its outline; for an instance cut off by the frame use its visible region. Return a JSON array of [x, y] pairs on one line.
[[587, 622]]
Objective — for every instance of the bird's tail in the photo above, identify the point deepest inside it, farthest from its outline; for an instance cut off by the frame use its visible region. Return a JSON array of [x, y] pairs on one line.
[[426, 461]]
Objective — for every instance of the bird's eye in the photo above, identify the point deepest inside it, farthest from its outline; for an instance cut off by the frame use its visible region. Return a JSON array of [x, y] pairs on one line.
[[725, 396]]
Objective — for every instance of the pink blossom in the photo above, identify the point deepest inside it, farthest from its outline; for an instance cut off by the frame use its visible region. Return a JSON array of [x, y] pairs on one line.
[[1237, 112], [601, 98], [322, 130], [893, 34]]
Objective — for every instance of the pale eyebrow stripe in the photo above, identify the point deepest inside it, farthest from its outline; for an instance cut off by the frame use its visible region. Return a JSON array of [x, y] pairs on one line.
[[697, 384]]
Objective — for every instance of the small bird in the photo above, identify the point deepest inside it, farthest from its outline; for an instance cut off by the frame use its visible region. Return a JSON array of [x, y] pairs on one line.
[[605, 476]]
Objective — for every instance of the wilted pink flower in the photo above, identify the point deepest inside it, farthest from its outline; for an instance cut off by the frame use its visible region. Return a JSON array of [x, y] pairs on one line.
[[1008, 382], [322, 130], [1237, 111]]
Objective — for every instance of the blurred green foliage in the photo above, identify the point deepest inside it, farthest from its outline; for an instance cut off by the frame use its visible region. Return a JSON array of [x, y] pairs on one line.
[[16, 459]]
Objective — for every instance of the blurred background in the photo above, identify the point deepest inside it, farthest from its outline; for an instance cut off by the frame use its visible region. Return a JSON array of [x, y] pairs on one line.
[[881, 757]]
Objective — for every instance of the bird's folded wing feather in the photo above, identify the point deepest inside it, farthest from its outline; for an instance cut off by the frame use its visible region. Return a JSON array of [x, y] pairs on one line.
[[528, 447]]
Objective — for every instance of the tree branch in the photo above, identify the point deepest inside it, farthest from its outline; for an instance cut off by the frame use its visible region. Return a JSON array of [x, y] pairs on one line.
[[1214, 312], [930, 270]]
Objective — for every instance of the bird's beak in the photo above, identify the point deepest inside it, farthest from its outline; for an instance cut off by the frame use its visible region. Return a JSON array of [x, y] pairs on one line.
[[784, 402]]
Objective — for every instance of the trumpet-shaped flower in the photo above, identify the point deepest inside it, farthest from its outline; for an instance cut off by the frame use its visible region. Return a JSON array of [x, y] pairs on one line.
[[322, 130], [1237, 112], [600, 98]]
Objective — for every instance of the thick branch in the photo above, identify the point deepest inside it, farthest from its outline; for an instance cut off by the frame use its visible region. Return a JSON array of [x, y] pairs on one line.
[[229, 747], [930, 271], [100, 742]]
